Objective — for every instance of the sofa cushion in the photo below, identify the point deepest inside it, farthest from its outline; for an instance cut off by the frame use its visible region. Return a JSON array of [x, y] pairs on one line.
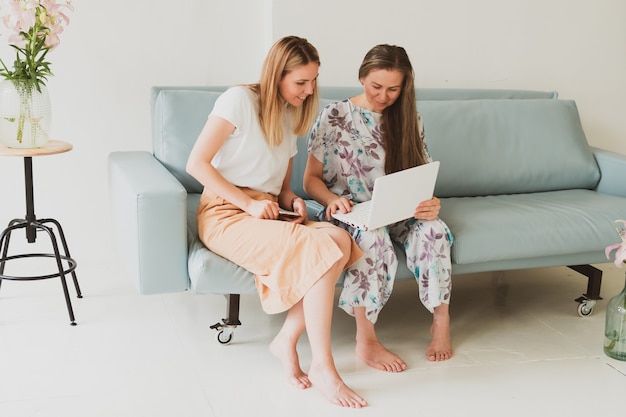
[[489, 147], [523, 226], [209, 273], [177, 119]]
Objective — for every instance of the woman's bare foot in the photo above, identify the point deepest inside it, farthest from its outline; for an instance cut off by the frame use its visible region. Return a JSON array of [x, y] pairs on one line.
[[332, 386], [370, 350], [287, 354], [374, 354], [440, 348]]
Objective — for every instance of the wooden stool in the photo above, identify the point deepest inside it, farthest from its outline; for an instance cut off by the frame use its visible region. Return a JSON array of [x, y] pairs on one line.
[[65, 263]]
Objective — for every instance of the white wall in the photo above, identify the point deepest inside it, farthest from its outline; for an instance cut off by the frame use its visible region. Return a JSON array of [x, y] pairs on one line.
[[576, 47], [114, 51]]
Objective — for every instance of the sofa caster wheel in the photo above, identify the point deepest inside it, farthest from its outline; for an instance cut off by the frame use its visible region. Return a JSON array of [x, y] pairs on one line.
[[225, 331], [585, 308], [224, 336]]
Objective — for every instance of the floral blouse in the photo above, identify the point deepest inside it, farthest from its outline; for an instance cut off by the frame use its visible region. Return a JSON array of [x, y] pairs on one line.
[[348, 140]]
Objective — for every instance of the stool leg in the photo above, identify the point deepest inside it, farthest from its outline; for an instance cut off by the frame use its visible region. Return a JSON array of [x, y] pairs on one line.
[[4, 242], [67, 251], [5, 237], [57, 256]]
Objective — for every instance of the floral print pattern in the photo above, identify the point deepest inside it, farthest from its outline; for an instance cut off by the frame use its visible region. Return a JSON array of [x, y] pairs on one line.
[[347, 139]]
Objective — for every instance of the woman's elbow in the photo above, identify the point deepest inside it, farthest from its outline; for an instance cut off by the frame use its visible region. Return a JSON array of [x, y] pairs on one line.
[[191, 167], [306, 184]]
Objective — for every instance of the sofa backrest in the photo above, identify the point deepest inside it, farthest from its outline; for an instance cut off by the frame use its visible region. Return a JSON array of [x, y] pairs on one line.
[[340, 93], [489, 147], [178, 116], [489, 141]]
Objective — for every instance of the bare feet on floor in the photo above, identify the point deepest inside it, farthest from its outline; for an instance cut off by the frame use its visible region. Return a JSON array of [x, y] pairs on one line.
[[440, 348], [288, 356], [326, 379], [374, 354]]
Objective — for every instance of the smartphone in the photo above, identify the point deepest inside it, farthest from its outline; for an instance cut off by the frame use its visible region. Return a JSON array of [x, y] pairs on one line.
[[283, 212]]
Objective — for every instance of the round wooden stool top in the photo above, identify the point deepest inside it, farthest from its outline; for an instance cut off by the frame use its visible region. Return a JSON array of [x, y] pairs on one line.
[[50, 148]]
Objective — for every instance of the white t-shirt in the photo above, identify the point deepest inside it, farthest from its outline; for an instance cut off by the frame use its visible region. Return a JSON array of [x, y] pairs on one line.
[[245, 159]]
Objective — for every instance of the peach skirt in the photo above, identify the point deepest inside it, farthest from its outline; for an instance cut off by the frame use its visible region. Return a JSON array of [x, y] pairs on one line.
[[287, 259]]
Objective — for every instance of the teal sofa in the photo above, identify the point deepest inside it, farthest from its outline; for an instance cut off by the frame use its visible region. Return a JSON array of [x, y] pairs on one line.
[[520, 189]]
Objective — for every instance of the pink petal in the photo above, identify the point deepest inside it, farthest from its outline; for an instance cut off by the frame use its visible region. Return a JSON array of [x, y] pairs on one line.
[[620, 256], [610, 249]]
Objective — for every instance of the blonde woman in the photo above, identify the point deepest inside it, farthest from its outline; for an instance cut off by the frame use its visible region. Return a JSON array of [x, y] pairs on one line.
[[243, 157]]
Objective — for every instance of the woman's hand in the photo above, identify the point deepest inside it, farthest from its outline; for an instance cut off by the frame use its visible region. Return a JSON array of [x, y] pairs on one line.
[[267, 209], [262, 209], [299, 206], [428, 210], [339, 203]]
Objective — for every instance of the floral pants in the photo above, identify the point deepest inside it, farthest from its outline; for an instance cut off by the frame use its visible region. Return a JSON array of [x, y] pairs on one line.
[[369, 281]]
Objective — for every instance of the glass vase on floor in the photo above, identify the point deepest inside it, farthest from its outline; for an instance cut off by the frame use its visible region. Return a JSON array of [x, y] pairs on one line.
[[615, 327], [24, 114]]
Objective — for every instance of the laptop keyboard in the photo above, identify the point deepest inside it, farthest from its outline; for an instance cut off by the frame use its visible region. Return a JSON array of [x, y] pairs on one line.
[[360, 213], [358, 217]]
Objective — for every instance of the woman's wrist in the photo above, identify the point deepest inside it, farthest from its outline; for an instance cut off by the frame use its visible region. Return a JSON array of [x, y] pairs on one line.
[[293, 200], [331, 199]]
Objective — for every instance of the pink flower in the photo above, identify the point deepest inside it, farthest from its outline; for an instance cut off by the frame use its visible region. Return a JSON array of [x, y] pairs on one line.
[[54, 20], [31, 22], [45, 15], [619, 248], [21, 15]]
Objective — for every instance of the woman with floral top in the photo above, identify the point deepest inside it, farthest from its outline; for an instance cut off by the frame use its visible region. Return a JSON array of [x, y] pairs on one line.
[[353, 142]]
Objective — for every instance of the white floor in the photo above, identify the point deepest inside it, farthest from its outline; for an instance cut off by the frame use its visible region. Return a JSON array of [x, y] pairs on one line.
[[520, 349]]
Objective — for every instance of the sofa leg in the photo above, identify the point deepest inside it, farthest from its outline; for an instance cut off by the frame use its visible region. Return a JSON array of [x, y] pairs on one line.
[[588, 300], [226, 328], [594, 283], [232, 308]]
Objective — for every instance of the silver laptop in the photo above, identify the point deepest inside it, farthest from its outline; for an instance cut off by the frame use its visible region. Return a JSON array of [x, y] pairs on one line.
[[395, 197]]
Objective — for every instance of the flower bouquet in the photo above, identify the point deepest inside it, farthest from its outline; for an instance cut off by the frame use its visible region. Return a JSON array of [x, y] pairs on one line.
[[35, 26], [619, 248], [615, 327]]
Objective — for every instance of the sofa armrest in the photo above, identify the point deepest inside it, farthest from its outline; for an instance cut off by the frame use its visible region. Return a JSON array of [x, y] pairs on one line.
[[149, 216], [613, 172]]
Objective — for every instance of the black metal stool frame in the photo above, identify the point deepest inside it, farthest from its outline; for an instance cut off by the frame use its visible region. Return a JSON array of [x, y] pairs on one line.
[[31, 225]]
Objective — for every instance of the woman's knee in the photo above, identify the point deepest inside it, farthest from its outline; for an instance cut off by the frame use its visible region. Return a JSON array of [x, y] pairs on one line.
[[428, 227], [342, 239]]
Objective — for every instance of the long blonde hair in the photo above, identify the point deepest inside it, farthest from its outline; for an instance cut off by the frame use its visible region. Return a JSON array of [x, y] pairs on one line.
[[286, 55], [403, 144]]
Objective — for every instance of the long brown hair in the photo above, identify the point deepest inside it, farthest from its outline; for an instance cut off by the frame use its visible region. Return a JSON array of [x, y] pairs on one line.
[[285, 55], [403, 144]]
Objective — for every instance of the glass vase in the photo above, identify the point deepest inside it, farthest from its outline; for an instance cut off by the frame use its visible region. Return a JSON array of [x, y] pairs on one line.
[[24, 114], [615, 327]]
